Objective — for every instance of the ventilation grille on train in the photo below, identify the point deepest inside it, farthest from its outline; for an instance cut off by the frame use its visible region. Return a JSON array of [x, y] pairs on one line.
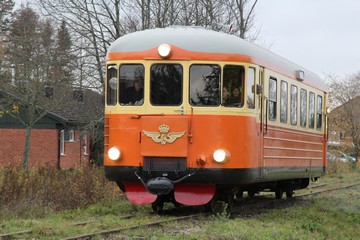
[[169, 164]]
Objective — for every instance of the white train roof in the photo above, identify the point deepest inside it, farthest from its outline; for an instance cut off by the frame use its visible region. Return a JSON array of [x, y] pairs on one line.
[[198, 39]]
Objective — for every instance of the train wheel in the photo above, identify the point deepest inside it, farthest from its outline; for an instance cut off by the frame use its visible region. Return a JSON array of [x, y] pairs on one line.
[[158, 205], [214, 206], [230, 201], [289, 193], [251, 194], [238, 196], [279, 193]]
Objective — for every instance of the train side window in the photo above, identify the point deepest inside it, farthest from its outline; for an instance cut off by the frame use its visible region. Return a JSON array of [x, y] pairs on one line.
[[272, 99], [233, 83], [293, 104], [311, 110], [251, 89], [131, 84], [303, 107], [204, 85], [166, 81], [319, 113], [112, 85], [284, 99]]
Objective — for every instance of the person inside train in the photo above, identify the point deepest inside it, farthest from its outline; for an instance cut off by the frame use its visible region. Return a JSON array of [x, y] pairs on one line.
[[235, 96], [225, 95], [134, 95]]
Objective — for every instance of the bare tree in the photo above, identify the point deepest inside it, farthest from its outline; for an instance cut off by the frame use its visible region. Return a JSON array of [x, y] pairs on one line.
[[30, 52], [95, 24], [242, 16], [6, 7], [345, 116]]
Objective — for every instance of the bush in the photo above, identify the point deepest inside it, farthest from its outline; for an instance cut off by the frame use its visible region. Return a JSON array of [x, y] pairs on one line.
[[46, 189]]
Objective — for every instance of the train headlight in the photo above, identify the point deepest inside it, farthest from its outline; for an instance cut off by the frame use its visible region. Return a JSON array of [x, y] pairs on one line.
[[164, 50], [221, 155], [114, 153]]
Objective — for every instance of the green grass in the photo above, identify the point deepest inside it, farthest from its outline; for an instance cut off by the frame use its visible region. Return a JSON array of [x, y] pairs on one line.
[[331, 215]]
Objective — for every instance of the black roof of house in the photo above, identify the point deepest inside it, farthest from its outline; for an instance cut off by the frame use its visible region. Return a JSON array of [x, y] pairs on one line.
[[79, 108]]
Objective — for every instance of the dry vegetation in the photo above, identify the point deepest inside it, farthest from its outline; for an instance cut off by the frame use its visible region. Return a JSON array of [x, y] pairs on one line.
[[39, 191], [47, 202]]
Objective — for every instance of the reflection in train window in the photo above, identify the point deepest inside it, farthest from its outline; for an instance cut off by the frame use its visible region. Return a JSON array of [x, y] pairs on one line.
[[251, 88], [112, 85], [303, 107], [311, 110], [319, 113], [204, 85], [293, 104], [272, 99], [166, 84], [284, 102]]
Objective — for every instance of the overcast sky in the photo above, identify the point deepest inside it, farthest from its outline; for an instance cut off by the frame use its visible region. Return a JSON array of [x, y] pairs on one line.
[[320, 35]]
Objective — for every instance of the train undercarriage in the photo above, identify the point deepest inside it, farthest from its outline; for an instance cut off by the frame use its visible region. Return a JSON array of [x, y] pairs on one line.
[[184, 188]]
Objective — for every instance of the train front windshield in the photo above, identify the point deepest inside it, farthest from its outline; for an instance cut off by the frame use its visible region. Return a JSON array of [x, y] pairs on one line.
[[210, 85]]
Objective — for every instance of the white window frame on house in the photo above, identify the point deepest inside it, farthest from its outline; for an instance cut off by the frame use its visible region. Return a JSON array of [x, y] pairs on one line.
[[85, 142], [62, 142], [71, 136]]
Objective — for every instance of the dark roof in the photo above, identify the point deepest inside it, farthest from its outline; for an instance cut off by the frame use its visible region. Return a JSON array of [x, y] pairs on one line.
[[82, 107], [52, 115], [78, 107]]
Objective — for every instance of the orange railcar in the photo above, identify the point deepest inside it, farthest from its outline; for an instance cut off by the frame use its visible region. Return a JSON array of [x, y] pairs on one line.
[[193, 116]]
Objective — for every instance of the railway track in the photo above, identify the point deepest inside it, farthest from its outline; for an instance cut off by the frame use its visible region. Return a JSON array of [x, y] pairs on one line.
[[264, 201]]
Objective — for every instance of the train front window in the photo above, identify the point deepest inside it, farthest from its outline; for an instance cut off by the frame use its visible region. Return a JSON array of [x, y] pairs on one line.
[[112, 85], [204, 85], [166, 82], [131, 84], [233, 83]]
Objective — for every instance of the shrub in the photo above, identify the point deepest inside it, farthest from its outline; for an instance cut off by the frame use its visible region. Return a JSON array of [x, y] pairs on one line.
[[45, 189]]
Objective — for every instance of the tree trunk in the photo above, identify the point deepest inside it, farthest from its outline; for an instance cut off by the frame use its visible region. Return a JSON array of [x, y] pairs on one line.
[[27, 148]]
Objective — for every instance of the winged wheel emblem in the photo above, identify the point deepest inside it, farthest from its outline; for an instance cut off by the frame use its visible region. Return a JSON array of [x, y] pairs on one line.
[[163, 136]]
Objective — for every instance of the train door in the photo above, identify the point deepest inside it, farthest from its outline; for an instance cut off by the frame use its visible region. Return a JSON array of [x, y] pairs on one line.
[[262, 117]]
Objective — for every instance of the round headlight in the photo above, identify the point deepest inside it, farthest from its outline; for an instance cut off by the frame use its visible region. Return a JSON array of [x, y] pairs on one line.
[[221, 155], [164, 50], [114, 153]]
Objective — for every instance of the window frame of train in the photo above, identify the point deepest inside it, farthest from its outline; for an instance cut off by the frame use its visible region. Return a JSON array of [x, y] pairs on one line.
[[319, 112], [284, 101], [128, 74], [293, 104], [272, 99], [312, 110], [172, 93], [234, 77], [303, 107], [204, 84], [111, 84], [250, 99]]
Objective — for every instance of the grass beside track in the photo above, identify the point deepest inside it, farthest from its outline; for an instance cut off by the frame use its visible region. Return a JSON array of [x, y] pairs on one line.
[[330, 215]]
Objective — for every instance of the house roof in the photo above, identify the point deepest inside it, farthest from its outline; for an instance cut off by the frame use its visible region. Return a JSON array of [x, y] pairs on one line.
[[79, 106], [83, 107]]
